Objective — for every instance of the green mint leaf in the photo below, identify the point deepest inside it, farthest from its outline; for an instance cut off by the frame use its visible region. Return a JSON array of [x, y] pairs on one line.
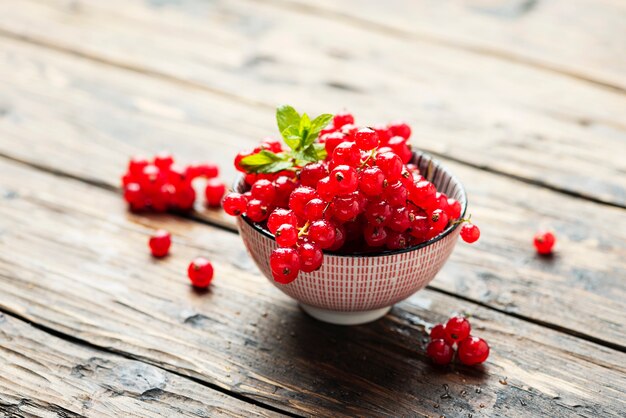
[[317, 125], [305, 128], [260, 158], [291, 136], [274, 167], [286, 116], [320, 151]]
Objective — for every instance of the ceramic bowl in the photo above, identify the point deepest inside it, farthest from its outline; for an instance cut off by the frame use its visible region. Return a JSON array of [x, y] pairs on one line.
[[352, 289]]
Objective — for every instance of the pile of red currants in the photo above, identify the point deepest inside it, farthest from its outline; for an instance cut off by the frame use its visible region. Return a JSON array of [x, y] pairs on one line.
[[161, 185], [335, 186], [456, 333]]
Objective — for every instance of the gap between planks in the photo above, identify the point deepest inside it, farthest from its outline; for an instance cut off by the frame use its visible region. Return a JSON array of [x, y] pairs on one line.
[[239, 99], [206, 221], [362, 23], [80, 342]]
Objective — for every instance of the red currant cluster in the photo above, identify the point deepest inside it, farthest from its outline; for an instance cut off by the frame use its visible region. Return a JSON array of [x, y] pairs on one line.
[[456, 333], [357, 192], [162, 185]]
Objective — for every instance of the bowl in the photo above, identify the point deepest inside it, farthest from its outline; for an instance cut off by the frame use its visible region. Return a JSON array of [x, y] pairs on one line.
[[351, 289]]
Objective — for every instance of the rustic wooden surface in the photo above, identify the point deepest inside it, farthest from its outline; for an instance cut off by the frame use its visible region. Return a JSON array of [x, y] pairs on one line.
[[524, 100]]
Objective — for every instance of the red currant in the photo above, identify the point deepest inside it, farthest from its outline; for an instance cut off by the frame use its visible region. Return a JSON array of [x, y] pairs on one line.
[[396, 194], [399, 220], [325, 189], [454, 209], [312, 173], [322, 233], [397, 240], [343, 179], [264, 190], [284, 186], [371, 181], [347, 153], [400, 129], [279, 217], [285, 265], [234, 204], [340, 238], [200, 272], [366, 139], [377, 212], [314, 209], [160, 243], [257, 210], [345, 208], [214, 192], [438, 220], [286, 235], [457, 329], [470, 233], [440, 352], [311, 257], [375, 236], [299, 198], [390, 164], [163, 160], [438, 332], [238, 159], [342, 118], [473, 350], [332, 140], [543, 241], [136, 165], [422, 191], [185, 197]]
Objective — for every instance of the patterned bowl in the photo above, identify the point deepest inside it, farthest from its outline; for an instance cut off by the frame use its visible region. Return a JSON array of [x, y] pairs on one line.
[[352, 289]]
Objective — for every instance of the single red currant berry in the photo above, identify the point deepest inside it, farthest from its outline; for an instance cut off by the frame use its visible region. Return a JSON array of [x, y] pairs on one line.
[[377, 212], [136, 165], [133, 193], [285, 265], [375, 236], [284, 186], [332, 140], [299, 198], [208, 171], [257, 210], [151, 179], [422, 191], [396, 194], [454, 209], [457, 329], [544, 241], [279, 217], [401, 148], [438, 332], [399, 220], [176, 175], [347, 153], [470, 233], [344, 179], [200, 272], [438, 220], [234, 204], [397, 240], [312, 173], [160, 243], [340, 238], [346, 208], [400, 129], [163, 160], [371, 181], [314, 209], [390, 164], [325, 190], [264, 190], [440, 352], [383, 133], [272, 144], [214, 192], [286, 235], [473, 350], [311, 257], [366, 139], [185, 197], [322, 233], [342, 118]]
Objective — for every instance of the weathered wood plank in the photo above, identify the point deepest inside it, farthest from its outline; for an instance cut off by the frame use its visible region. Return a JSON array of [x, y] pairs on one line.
[[580, 38], [73, 260], [501, 115], [74, 117], [43, 375]]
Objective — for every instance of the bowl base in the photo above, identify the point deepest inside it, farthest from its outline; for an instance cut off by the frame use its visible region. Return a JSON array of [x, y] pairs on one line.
[[344, 318]]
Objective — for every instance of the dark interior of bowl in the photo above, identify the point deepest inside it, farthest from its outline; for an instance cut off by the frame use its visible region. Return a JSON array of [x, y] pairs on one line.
[[430, 168]]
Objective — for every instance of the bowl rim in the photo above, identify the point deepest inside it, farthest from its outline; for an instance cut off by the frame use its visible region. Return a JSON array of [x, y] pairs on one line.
[[381, 253]]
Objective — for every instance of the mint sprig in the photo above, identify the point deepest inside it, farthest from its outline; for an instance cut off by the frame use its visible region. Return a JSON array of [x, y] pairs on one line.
[[299, 132]]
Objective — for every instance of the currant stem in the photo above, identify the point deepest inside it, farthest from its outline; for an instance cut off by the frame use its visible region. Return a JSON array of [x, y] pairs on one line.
[[372, 153], [304, 229]]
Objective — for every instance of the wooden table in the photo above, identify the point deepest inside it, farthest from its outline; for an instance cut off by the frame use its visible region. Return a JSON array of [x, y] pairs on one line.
[[524, 100]]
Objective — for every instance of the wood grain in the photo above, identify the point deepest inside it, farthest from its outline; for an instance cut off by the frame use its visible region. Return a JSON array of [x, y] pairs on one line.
[[43, 375], [491, 113], [579, 38], [76, 118], [73, 260]]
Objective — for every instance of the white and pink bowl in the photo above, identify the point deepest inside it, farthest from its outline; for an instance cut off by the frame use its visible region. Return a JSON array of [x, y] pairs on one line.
[[357, 288]]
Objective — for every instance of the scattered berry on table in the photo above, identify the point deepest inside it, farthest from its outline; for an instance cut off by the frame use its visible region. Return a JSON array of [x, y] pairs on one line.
[[200, 272], [440, 352], [473, 350], [470, 233], [457, 329], [544, 241], [214, 192], [438, 332], [160, 243], [337, 186]]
